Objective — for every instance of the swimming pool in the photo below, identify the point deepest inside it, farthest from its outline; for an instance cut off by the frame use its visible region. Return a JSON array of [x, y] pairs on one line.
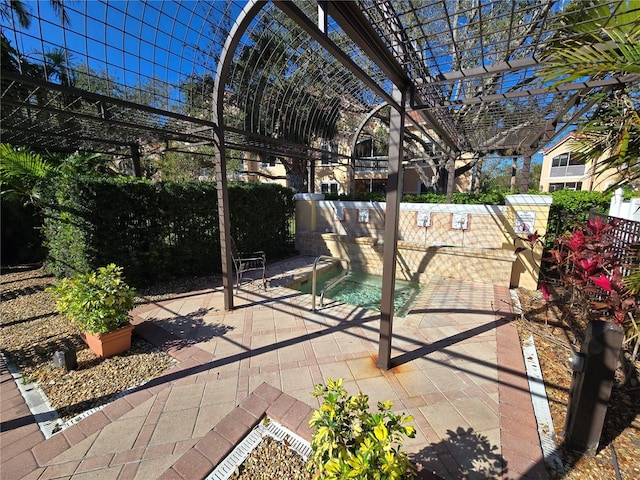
[[363, 290]]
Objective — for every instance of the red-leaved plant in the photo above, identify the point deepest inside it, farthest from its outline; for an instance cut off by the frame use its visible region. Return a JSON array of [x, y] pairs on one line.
[[591, 270]]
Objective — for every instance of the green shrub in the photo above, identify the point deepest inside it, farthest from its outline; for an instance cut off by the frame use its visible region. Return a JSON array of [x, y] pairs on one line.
[[570, 208], [260, 216], [98, 302], [157, 231], [425, 198], [495, 197], [350, 442]]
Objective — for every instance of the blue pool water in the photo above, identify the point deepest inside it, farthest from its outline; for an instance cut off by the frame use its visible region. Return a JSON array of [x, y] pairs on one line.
[[364, 290]]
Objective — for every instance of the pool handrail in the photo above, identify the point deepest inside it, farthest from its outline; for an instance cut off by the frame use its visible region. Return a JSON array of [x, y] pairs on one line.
[[313, 277], [332, 284]]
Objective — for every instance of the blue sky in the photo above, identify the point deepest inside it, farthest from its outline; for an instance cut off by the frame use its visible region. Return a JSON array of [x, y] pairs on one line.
[[132, 41], [127, 39]]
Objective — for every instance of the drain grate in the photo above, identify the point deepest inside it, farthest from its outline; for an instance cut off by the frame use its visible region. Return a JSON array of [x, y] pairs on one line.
[[269, 427]]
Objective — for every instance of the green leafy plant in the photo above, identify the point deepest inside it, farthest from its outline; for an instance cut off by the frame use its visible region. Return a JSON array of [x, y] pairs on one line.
[[351, 442], [21, 173], [98, 301]]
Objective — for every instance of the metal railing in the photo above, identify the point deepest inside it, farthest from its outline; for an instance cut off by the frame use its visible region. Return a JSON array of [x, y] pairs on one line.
[[333, 283]]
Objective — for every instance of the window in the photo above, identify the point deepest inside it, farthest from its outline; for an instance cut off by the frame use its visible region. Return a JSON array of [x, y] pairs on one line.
[[270, 162], [566, 165], [364, 148], [328, 150], [329, 187], [554, 187], [565, 159], [561, 160]]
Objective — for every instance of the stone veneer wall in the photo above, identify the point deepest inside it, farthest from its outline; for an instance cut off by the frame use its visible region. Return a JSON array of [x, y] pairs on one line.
[[415, 262], [471, 242]]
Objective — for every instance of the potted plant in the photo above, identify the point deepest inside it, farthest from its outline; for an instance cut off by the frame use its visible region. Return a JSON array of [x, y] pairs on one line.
[[99, 303]]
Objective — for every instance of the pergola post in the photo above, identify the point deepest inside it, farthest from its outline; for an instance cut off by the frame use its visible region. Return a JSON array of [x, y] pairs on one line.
[[526, 172], [224, 220], [394, 195]]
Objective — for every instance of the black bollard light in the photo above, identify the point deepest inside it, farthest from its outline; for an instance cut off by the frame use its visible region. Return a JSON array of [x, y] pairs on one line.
[[65, 359], [593, 374]]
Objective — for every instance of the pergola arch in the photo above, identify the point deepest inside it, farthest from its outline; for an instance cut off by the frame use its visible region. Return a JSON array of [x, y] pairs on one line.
[[123, 75], [293, 88], [449, 53]]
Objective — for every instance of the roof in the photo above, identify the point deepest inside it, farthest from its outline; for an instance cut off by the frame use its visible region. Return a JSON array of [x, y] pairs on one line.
[[560, 142]]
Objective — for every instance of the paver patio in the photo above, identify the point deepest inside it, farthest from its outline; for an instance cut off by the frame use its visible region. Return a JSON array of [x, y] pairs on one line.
[[458, 370]]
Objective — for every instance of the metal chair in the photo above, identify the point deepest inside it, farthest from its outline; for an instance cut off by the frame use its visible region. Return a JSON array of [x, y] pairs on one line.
[[248, 262]]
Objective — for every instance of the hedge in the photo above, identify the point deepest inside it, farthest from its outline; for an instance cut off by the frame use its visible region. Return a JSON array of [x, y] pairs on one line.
[[157, 231], [570, 208]]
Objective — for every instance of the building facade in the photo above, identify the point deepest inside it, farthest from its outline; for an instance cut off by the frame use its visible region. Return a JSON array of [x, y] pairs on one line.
[[561, 169]]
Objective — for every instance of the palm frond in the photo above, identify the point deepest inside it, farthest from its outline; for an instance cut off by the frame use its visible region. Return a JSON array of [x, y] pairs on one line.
[[21, 170], [573, 60], [632, 281], [19, 9]]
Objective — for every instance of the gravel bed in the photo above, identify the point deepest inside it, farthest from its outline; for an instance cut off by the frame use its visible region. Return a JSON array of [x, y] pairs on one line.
[[272, 460], [32, 331]]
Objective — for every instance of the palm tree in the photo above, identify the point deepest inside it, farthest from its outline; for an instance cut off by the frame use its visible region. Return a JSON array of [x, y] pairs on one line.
[[21, 172], [590, 48], [19, 9]]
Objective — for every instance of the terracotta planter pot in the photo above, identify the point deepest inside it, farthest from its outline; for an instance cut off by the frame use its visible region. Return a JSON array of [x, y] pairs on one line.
[[109, 344]]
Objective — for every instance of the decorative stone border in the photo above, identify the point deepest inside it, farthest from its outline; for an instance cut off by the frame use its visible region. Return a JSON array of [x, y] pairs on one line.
[[46, 417], [199, 461]]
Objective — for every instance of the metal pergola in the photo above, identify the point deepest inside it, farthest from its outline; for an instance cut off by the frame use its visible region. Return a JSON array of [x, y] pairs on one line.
[[277, 78]]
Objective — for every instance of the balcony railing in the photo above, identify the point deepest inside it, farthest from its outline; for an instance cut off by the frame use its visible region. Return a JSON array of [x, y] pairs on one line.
[[373, 165], [567, 171]]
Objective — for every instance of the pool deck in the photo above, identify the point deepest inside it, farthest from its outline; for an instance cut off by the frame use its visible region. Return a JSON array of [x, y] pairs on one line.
[[459, 371]]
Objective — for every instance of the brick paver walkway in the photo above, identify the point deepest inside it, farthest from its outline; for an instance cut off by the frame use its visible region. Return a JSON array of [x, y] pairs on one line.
[[459, 371]]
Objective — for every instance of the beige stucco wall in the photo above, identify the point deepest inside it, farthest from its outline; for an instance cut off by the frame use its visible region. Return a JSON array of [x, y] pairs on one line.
[[474, 242], [415, 263], [256, 172], [526, 268], [591, 180]]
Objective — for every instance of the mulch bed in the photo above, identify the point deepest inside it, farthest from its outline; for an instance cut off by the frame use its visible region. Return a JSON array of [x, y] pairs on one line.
[[557, 329]]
